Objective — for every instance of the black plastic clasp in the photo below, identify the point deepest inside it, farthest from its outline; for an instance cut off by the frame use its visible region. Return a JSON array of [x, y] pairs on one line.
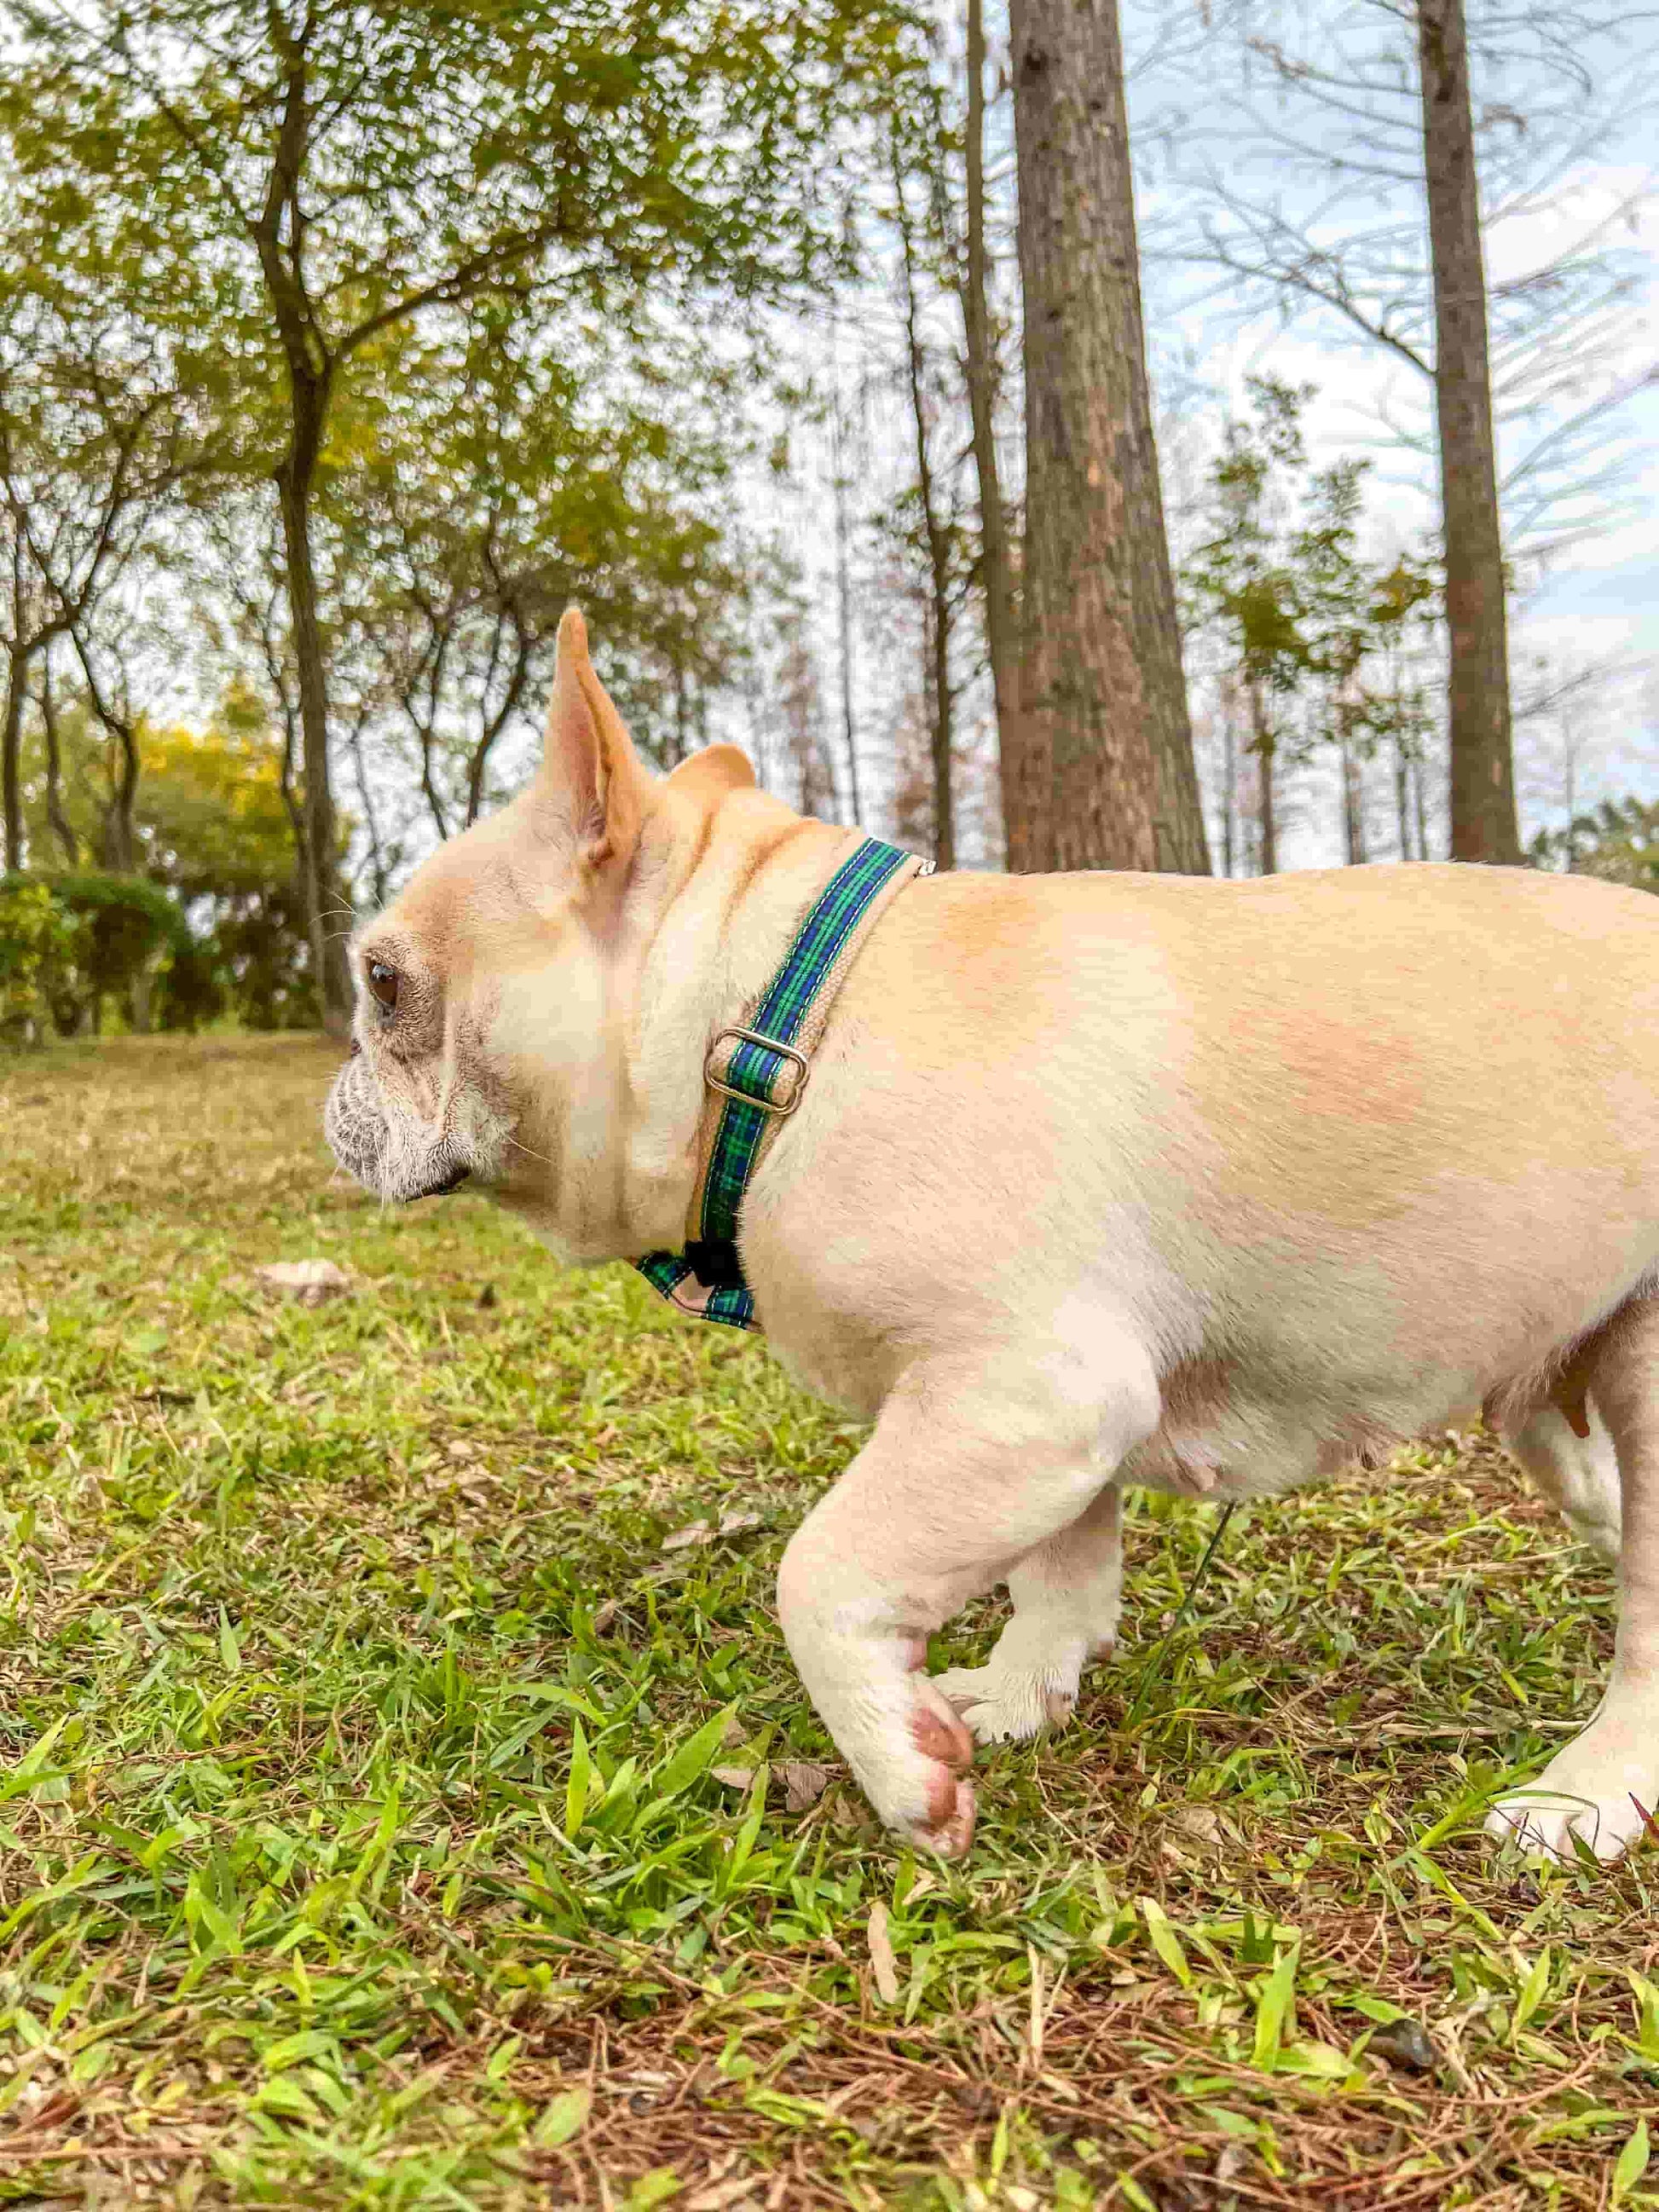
[[713, 1261]]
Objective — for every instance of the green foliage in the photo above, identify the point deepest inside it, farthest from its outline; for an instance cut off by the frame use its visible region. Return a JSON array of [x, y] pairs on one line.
[[38, 941], [1618, 843], [214, 827], [72, 941], [1304, 613]]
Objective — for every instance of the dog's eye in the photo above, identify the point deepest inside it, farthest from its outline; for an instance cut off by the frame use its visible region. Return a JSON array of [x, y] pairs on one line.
[[383, 984]]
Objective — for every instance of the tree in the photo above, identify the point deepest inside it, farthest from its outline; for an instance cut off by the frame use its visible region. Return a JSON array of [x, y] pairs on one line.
[[1483, 819], [1317, 636], [1245, 575], [1105, 773], [1618, 843], [474, 519], [925, 509], [96, 442], [996, 551], [1314, 197], [299, 183]]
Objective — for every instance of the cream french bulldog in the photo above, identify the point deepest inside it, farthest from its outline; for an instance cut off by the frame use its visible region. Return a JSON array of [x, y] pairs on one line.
[[1097, 1179]]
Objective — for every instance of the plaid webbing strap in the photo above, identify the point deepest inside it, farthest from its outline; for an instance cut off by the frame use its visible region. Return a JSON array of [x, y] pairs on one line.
[[761, 1070]]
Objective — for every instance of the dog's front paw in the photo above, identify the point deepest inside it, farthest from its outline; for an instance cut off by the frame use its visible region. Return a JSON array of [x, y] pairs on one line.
[[1004, 1705], [1609, 1804], [943, 1823]]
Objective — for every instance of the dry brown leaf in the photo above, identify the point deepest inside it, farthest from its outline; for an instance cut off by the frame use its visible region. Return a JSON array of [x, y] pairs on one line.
[[733, 1524], [309, 1282], [682, 1539], [735, 1778], [1201, 1824], [733, 1734], [882, 1961], [805, 1782]]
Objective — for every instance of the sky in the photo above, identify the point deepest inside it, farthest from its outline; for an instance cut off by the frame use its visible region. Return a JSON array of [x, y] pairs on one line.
[[1564, 165]]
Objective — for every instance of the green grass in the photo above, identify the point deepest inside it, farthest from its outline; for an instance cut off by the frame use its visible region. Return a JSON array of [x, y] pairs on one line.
[[360, 1838]]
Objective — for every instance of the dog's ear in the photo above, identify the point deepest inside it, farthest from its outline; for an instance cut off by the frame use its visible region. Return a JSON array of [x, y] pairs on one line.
[[710, 774], [590, 774]]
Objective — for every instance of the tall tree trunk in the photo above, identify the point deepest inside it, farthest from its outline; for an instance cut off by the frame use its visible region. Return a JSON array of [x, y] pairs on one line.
[[1422, 809], [327, 914], [116, 837], [1229, 775], [1402, 800], [118, 850], [1262, 745], [844, 608], [378, 873], [11, 745], [279, 235], [1105, 753], [1354, 811], [56, 820], [1483, 815], [995, 556], [937, 624]]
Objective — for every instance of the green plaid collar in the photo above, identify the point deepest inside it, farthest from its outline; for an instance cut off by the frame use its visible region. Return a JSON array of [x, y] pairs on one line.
[[762, 1078]]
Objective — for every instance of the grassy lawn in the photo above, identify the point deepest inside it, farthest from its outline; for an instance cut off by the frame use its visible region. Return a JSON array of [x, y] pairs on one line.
[[393, 1812]]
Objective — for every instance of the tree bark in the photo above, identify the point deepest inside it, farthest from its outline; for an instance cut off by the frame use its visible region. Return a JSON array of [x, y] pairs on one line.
[[995, 556], [1483, 815], [327, 914], [1354, 811], [937, 624], [278, 236], [844, 607], [1105, 752], [11, 744], [1262, 745], [56, 820]]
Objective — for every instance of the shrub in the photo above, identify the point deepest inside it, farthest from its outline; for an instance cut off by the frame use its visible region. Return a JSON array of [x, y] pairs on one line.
[[68, 942]]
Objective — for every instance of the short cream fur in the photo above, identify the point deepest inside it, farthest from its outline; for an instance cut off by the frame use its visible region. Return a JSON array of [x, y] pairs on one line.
[[1098, 1180]]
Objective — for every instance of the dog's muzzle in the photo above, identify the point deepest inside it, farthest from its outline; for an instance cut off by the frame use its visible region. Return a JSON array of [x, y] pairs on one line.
[[356, 1128], [399, 1159]]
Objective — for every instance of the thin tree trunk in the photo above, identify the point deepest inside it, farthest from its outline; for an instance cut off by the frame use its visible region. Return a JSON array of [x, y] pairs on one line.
[[937, 625], [493, 728], [995, 557], [377, 864], [279, 235], [11, 745], [1230, 775], [1354, 811], [56, 820], [1105, 750], [326, 912], [1261, 744], [119, 846], [116, 838], [1483, 815], [1422, 810], [1402, 800], [844, 607]]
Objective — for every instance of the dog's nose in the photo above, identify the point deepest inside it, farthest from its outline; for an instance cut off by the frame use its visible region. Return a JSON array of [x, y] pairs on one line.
[[443, 1189]]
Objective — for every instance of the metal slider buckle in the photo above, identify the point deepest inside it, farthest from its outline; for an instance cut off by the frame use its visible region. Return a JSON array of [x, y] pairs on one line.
[[767, 1044]]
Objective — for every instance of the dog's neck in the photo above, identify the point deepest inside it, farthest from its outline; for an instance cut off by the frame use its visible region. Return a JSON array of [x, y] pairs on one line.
[[715, 898]]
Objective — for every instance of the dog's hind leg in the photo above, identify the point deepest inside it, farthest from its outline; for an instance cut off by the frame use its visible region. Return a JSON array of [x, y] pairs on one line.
[[1065, 1595], [1605, 1784], [1578, 1473], [970, 1470]]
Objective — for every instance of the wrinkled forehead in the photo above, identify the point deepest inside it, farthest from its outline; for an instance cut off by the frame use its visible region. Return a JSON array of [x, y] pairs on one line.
[[473, 903]]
